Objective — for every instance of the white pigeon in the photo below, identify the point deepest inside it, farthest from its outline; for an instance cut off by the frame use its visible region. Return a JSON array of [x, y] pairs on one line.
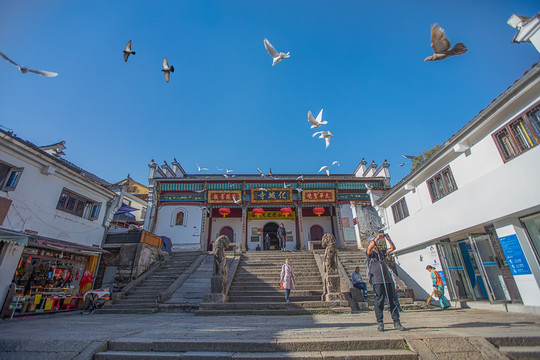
[[205, 208], [229, 171], [200, 168], [336, 163], [326, 135], [262, 189], [128, 51], [275, 55], [167, 70], [325, 168], [24, 69], [286, 186], [219, 168], [301, 177], [316, 122], [236, 201], [298, 189], [200, 191], [260, 172]]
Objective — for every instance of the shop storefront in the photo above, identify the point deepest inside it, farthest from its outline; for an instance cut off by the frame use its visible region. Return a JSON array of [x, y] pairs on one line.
[[53, 275]]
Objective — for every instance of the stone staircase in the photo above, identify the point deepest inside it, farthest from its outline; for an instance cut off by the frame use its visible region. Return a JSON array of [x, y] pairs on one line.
[[212, 348], [143, 299], [350, 259], [255, 288], [518, 348]]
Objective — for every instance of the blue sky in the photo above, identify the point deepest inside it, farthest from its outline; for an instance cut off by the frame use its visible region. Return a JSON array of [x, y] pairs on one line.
[[226, 106]]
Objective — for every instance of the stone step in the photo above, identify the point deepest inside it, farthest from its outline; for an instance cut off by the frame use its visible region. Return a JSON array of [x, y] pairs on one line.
[[304, 355], [273, 286], [127, 305], [153, 301], [245, 277], [289, 311], [271, 305], [258, 282], [295, 292], [112, 310], [275, 298], [259, 345], [521, 352]]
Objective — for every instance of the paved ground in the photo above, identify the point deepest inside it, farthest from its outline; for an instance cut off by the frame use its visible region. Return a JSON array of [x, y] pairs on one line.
[[77, 336]]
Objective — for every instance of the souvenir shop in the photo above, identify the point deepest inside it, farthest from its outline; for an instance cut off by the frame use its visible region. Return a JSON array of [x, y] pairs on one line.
[[53, 275]]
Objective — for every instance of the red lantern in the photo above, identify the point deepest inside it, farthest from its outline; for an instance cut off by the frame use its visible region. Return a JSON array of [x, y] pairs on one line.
[[258, 212], [224, 211], [318, 210], [285, 211]]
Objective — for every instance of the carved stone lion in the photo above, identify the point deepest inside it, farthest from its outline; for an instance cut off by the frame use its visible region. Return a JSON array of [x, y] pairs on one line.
[[330, 254], [220, 260]]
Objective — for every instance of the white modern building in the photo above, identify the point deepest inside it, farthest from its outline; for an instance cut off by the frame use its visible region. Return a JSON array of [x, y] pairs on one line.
[[472, 209], [52, 221]]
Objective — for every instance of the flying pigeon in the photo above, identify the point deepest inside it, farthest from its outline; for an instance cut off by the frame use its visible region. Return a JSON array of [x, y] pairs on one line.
[[325, 168], [441, 45], [217, 167], [336, 163], [262, 189], [402, 164], [205, 208], [128, 51], [316, 122], [298, 189], [275, 55], [285, 185], [229, 171], [200, 168], [167, 70], [24, 69], [410, 157], [301, 177], [326, 135], [260, 172], [236, 201]]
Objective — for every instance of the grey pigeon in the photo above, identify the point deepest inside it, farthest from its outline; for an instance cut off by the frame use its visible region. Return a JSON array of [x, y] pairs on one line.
[[128, 51], [167, 70]]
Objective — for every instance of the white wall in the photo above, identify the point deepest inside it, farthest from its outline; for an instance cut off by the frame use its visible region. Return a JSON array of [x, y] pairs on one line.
[[234, 223], [9, 258], [36, 196], [183, 237]]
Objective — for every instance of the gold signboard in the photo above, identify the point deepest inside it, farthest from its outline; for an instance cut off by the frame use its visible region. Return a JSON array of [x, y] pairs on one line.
[[318, 196], [271, 196], [271, 215], [223, 196]]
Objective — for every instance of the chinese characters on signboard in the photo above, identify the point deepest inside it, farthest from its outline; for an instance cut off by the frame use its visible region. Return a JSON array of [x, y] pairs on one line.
[[271, 195], [223, 197], [271, 215], [318, 196]]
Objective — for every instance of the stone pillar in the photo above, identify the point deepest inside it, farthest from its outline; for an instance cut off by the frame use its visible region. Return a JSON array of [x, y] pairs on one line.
[[220, 279], [300, 221], [244, 228], [340, 234], [332, 285]]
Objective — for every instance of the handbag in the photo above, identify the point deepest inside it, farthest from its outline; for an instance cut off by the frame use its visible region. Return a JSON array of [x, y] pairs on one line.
[[281, 285]]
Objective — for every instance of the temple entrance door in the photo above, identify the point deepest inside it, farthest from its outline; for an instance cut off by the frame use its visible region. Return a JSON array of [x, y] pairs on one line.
[[316, 233], [227, 230], [271, 229]]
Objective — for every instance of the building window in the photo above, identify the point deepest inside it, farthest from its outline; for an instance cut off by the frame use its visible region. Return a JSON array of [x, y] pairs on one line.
[[400, 210], [179, 217], [9, 176], [78, 205], [519, 135], [441, 184]]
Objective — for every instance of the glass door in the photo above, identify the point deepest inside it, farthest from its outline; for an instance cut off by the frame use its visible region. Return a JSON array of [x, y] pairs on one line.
[[489, 268], [457, 280]]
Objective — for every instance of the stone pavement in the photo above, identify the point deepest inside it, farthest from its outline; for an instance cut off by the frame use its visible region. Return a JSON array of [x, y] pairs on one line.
[[434, 334]]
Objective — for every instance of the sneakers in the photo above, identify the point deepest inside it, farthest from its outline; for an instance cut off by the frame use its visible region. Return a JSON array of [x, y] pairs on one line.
[[398, 326], [380, 327], [288, 300]]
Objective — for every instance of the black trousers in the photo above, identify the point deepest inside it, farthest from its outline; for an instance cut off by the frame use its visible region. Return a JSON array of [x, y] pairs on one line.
[[380, 300]]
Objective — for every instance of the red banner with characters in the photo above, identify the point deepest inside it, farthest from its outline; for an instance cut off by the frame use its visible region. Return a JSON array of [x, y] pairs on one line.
[[224, 196], [319, 196]]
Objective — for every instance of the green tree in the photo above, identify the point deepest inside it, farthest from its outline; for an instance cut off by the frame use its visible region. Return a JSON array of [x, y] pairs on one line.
[[420, 158]]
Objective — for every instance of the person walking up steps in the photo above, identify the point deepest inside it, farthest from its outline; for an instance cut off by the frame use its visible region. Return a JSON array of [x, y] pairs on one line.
[[438, 284], [282, 236], [287, 278]]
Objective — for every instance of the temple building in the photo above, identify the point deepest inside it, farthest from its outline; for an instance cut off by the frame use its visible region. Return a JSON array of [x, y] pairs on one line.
[[193, 209]]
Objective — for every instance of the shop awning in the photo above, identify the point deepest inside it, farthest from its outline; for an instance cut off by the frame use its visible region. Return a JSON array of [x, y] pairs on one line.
[[15, 237], [64, 245], [124, 209]]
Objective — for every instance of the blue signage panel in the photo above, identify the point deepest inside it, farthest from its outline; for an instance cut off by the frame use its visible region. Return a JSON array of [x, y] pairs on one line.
[[515, 256]]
